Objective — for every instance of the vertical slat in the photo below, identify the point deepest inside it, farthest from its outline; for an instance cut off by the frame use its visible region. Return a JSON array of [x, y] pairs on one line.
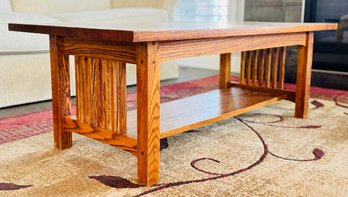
[[79, 87], [282, 67], [97, 92], [262, 67], [255, 65], [303, 80], [275, 67], [225, 70], [101, 92], [107, 97], [268, 68], [242, 67], [148, 113], [87, 90], [122, 98], [104, 91], [114, 95], [61, 103], [248, 67]]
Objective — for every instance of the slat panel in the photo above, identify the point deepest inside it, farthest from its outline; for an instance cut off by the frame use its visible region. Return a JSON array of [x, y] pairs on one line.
[[187, 48], [282, 67], [102, 97]]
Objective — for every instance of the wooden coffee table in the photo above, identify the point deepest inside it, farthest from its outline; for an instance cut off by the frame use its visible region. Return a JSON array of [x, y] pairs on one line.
[[102, 51]]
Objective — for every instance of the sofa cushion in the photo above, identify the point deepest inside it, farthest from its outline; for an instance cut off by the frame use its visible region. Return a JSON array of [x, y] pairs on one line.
[[58, 6], [168, 5], [5, 6], [122, 15], [22, 42], [137, 3]]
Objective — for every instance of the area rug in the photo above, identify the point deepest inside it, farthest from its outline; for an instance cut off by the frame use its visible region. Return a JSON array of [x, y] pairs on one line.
[[266, 152]]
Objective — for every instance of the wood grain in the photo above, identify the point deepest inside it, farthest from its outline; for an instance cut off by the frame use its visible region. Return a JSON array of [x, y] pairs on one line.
[[304, 66], [101, 90], [225, 70], [116, 51], [188, 48], [182, 115], [61, 104], [148, 114], [168, 31]]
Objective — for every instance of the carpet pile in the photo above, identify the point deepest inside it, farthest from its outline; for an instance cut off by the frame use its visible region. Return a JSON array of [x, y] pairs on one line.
[[266, 152]]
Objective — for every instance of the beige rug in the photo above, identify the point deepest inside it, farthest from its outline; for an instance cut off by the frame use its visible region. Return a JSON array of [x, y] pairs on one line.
[[267, 152]]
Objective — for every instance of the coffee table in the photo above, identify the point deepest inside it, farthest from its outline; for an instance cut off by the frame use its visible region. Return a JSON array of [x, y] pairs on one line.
[[101, 52]]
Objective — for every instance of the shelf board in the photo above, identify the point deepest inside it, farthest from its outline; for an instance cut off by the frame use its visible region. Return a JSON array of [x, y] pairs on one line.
[[196, 111]]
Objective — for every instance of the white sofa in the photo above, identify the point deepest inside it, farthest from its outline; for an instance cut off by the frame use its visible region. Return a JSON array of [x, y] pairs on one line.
[[24, 57]]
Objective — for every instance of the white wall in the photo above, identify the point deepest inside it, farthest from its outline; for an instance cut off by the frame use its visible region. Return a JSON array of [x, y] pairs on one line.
[[236, 14]]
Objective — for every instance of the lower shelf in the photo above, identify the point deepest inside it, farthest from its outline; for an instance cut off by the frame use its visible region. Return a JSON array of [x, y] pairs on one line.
[[192, 112]]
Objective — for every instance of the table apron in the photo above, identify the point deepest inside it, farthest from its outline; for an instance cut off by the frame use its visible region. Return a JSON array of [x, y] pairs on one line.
[[172, 50]]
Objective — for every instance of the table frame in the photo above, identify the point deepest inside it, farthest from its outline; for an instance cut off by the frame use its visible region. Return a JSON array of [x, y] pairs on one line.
[[101, 88]]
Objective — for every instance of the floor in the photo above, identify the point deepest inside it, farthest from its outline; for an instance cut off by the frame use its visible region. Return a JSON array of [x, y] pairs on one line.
[[185, 74]]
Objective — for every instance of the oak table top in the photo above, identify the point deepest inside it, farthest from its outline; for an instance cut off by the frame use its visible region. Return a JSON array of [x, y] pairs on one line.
[[167, 31]]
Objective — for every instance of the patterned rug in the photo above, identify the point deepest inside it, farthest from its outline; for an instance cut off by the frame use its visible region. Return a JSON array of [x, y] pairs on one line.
[[266, 152]]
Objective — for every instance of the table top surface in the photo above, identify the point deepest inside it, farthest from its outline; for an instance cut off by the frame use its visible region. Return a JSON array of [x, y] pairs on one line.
[[167, 31]]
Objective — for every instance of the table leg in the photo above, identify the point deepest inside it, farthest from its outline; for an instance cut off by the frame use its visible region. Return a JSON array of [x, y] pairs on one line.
[[304, 66], [225, 70], [148, 113], [61, 103]]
